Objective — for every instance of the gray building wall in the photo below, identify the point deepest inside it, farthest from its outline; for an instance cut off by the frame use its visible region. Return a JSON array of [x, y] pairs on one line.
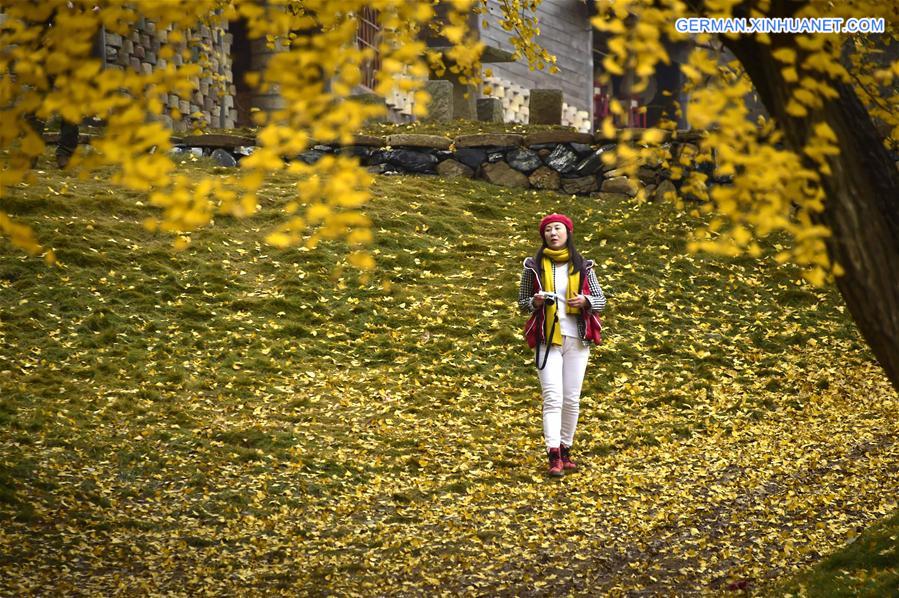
[[566, 33]]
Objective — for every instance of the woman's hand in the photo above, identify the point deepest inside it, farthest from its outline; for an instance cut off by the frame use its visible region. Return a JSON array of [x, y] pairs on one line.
[[579, 301], [538, 300]]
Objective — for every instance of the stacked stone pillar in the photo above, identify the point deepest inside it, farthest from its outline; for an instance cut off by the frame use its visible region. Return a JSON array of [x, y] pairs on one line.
[[212, 102]]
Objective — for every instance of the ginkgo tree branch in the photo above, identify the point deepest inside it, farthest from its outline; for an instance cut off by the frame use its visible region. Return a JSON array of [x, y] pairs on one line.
[[862, 199]]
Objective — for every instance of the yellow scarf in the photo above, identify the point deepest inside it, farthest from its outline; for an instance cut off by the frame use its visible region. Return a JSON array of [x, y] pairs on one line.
[[559, 256]]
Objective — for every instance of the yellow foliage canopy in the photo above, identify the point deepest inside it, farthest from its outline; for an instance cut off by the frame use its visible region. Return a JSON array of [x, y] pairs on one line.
[[46, 68]]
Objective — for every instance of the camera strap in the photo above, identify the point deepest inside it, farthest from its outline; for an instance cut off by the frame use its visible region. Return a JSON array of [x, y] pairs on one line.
[[549, 344]]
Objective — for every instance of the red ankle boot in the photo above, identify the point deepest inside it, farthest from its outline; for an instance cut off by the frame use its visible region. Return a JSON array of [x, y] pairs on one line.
[[567, 463], [555, 462]]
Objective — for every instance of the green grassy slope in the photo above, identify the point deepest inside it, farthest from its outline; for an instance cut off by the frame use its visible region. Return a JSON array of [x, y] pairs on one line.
[[868, 566], [235, 416]]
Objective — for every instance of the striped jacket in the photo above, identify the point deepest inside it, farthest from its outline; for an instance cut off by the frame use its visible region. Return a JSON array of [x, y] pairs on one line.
[[530, 284]]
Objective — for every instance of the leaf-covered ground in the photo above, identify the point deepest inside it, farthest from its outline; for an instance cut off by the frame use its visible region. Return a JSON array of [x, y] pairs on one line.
[[236, 418]]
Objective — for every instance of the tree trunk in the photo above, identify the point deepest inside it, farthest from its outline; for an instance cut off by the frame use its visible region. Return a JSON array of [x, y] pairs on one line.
[[862, 200]]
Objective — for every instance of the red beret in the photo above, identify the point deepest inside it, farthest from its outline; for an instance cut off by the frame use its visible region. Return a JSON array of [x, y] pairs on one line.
[[556, 218]]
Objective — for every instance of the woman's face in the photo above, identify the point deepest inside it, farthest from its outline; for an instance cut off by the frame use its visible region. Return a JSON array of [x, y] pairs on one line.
[[556, 235]]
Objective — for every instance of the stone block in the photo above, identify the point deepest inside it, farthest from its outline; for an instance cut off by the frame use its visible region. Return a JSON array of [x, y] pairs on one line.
[[134, 63], [453, 169], [425, 141], [594, 162], [224, 158], [411, 161], [665, 190], [113, 39], [471, 157], [580, 185], [489, 140], [524, 160], [545, 107], [619, 184], [464, 94], [127, 46], [562, 159], [490, 110], [146, 68], [557, 137], [582, 149], [441, 107], [140, 51], [545, 178], [500, 173], [647, 174]]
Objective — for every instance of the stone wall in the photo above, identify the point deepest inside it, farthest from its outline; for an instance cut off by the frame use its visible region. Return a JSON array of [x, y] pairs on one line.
[[212, 102], [564, 161]]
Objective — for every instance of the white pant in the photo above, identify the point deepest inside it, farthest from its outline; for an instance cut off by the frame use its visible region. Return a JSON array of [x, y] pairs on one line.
[[561, 382]]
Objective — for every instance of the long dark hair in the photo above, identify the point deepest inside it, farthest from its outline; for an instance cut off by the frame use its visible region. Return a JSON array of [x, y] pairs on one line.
[[576, 259]]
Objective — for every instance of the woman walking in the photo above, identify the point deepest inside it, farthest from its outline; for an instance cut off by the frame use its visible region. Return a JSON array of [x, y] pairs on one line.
[[560, 290]]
